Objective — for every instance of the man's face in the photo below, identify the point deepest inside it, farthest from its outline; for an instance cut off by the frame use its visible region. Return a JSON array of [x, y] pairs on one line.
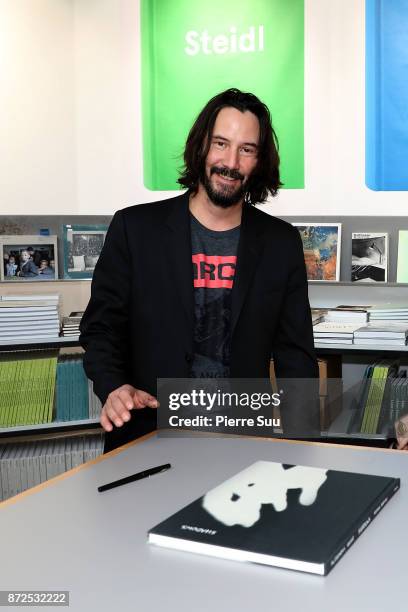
[[232, 156]]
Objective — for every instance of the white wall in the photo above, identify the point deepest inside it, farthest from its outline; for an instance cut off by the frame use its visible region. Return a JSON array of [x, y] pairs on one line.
[[82, 151], [107, 105], [37, 131]]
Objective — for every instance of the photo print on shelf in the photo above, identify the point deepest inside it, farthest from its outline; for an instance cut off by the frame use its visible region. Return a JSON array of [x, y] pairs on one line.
[[321, 248], [82, 247], [369, 257], [29, 257]]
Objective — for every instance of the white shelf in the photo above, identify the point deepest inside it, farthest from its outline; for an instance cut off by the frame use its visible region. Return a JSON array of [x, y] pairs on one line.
[[363, 347], [45, 426], [59, 340]]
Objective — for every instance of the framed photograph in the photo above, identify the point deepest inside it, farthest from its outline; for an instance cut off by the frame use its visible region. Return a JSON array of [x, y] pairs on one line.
[[321, 247], [369, 257], [29, 258], [82, 247]]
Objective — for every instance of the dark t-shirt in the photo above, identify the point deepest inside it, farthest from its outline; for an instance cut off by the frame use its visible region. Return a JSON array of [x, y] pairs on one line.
[[214, 257]]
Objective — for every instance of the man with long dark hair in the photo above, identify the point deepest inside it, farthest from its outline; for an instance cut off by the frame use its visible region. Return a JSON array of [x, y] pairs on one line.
[[202, 285]]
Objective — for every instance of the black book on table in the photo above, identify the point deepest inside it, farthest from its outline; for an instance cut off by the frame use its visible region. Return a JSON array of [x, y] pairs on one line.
[[294, 517]]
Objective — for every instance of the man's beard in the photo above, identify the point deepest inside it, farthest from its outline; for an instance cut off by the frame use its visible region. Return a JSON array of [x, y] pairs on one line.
[[226, 195]]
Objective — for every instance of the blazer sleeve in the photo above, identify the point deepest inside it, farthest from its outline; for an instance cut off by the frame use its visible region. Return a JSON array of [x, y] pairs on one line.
[[293, 351], [105, 324]]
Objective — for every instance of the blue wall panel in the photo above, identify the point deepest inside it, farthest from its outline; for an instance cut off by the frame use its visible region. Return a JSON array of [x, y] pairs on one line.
[[387, 95]]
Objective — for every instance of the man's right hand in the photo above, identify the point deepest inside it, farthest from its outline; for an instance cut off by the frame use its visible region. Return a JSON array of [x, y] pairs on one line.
[[120, 402]]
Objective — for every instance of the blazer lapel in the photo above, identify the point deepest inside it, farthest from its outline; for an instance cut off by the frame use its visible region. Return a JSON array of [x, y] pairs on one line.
[[178, 248], [249, 249]]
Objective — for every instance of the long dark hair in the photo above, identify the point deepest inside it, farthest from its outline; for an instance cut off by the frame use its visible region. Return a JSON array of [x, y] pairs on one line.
[[265, 178]]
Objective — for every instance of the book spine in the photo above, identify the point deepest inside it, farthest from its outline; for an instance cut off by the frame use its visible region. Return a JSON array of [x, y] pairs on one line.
[[379, 400], [369, 405], [52, 389], [29, 465], [36, 464], [84, 391], [18, 467], [4, 473], [58, 417], [374, 510], [68, 454], [385, 408]]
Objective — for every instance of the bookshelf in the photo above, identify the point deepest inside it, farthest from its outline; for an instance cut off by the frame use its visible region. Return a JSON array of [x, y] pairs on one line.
[[33, 453], [356, 358], [74, 295], [37, 348], [56, 445], [354, 363]]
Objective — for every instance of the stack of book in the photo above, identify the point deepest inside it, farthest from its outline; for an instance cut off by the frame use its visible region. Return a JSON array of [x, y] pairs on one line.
[[38, 388], [398, 402], [28, 317], [388, 312], [94, 403], [70, 325], [27, 387], [393, 333], [330, 332], [73, 395], [318, 315], [347, 314], [24, 465], [375, 405]]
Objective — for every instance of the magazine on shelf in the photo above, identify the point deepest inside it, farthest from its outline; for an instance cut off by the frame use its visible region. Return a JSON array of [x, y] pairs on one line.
[[335, 340], [388, 308], [381, 342], [346, 316], [374, 330], [29, 297]]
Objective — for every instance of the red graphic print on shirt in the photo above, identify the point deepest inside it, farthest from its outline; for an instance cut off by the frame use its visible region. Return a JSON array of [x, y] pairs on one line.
[[214, 271]]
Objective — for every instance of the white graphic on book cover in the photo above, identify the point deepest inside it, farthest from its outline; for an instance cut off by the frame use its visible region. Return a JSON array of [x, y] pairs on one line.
[[238, 501]]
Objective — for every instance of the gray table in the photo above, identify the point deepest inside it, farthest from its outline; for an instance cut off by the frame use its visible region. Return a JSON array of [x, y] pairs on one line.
[[67, 536]]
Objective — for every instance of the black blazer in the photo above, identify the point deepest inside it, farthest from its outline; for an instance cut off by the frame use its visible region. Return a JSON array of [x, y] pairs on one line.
[[138, 325]]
